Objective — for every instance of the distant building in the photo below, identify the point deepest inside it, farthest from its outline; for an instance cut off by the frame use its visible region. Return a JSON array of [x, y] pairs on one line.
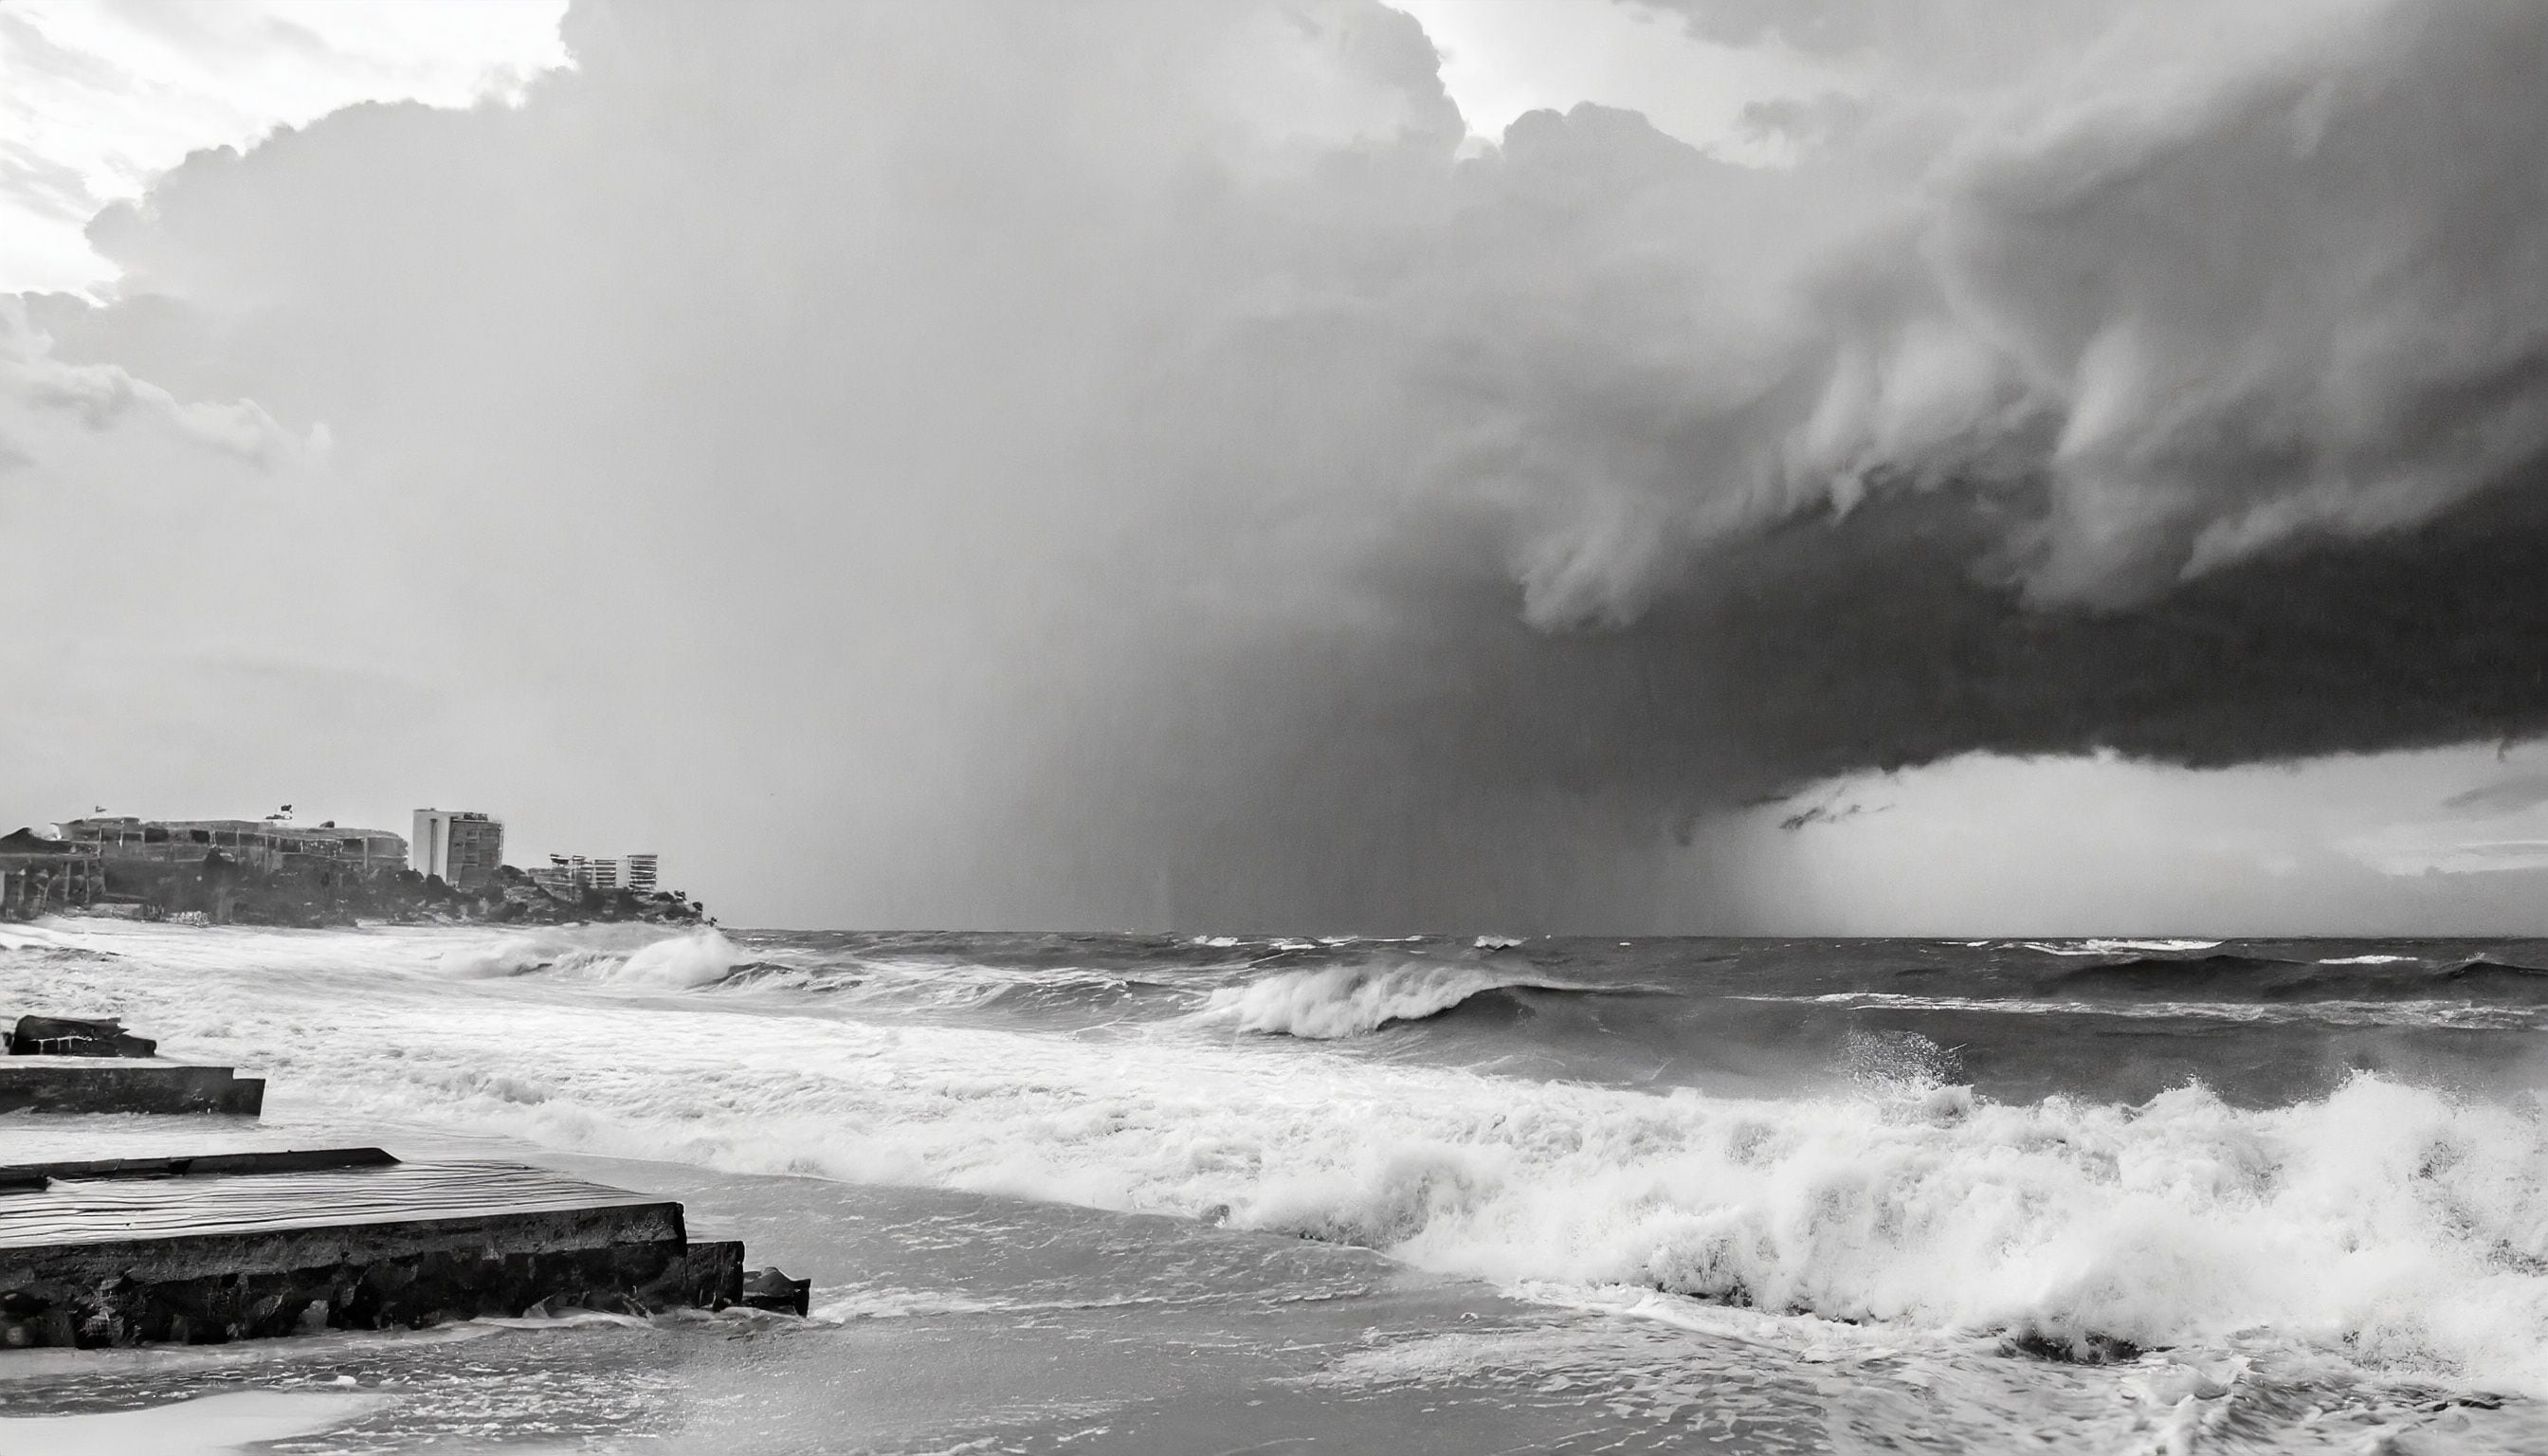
[[264, 842], [562, 876], [570, 876], [465, 848], [38, 874]]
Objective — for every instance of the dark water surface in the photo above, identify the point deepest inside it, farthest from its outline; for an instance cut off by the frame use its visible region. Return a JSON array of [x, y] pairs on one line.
[[2258, 1022]]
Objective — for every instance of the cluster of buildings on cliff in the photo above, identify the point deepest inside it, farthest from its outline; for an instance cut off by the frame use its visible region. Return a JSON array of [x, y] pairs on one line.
[[76, 864]]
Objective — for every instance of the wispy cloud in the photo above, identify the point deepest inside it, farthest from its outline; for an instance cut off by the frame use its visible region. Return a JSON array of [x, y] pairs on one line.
[[2508, 796]]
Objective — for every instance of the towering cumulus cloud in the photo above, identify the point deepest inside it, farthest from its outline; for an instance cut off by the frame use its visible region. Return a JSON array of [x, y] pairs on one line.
[[1121, 463], [41, 395]]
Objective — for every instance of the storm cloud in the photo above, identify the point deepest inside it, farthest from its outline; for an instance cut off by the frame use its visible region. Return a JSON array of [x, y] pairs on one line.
[[1129, 464]]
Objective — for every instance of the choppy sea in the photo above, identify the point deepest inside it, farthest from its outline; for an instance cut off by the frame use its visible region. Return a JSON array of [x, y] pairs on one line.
[[1232, 1193]]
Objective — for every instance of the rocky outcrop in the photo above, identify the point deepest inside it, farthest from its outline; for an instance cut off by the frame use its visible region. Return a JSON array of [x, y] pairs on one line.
[[218, 889]]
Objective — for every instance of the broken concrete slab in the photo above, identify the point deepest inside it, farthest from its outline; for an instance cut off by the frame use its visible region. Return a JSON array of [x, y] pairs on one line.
[[253, 1160], [140, 1084], [768, 1289], [129, 1256]]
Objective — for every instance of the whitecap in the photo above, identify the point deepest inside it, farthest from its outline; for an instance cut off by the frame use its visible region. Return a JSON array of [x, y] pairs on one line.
[[680, 963], [2095, 946], [1350, 1000]]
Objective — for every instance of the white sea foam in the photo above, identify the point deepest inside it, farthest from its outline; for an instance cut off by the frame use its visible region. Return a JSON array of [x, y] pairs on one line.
[[1349, 1000], [888, 1303], [2366, 960], [2095, 946], [2393, 1225]]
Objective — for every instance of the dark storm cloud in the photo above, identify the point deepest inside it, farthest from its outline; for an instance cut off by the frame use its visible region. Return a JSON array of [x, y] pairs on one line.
[[1892, 650], [1119, 462]]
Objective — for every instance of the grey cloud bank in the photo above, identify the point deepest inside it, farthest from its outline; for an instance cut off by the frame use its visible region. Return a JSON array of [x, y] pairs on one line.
[[1021, 464]]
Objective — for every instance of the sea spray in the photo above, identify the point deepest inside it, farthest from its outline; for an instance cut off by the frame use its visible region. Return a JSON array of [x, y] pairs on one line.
[[520, 955], [696, 958]]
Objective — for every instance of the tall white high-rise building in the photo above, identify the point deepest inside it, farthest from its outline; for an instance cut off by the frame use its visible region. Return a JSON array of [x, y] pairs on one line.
[[462, 846]]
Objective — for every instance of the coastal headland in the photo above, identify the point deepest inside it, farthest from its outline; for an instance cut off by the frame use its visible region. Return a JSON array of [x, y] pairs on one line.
[[275, 873]]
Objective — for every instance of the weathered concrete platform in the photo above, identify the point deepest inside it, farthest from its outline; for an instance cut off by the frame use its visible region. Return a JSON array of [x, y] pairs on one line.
[[228, 1246], [148, 1084]]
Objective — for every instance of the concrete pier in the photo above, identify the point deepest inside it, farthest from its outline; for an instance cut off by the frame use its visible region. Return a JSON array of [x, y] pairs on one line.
[[199, 1246], [145, 1085], [228, 1246]]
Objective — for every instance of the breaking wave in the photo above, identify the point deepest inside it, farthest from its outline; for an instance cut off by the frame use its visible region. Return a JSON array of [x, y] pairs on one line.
[[700, 957], [1337, 1001], [525, 956], [2112, 947], [679, 962]]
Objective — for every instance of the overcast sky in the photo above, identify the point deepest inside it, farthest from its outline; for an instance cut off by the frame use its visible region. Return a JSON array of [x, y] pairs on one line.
[[1947, 466]]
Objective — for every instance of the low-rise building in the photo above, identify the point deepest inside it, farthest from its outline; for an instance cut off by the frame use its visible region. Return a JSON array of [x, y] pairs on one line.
[[40, 874], [562, 876], [265, 843], [572, 874]]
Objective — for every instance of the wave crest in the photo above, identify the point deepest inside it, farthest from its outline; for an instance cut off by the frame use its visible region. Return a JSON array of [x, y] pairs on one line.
[[1337, 1001], [679, 963], [699, 958], [2385, 1221]]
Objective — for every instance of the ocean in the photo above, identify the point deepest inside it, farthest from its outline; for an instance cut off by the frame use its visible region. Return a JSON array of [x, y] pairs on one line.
[[1098, 1193]]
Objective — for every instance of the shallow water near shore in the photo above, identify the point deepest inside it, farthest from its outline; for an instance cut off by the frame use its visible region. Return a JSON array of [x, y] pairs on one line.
[[1117, 1193]]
